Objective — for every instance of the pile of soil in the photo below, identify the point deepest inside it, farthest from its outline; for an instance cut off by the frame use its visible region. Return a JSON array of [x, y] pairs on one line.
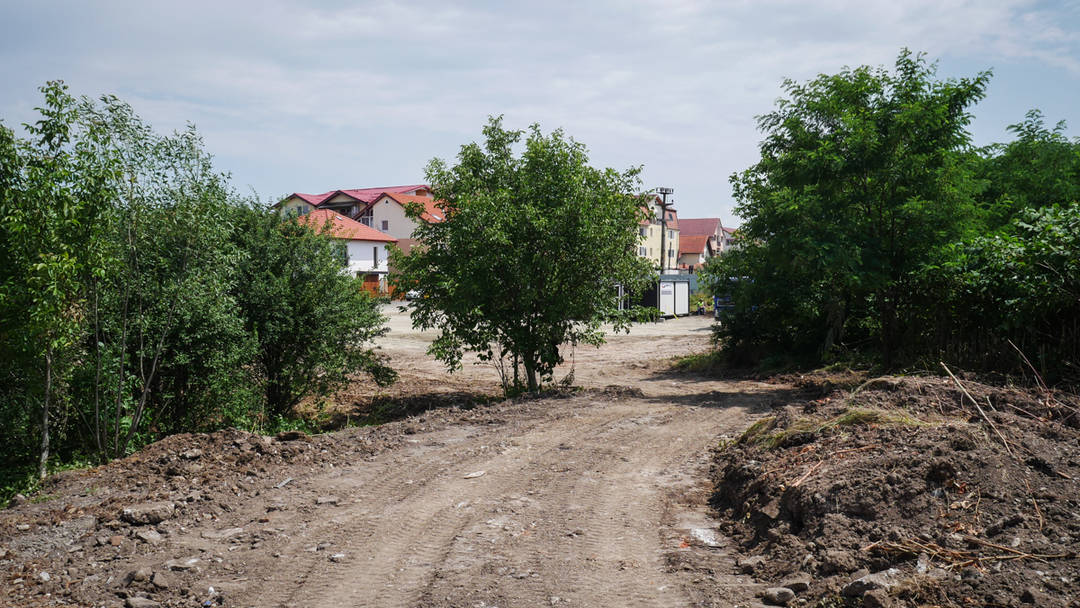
[[902, 493]]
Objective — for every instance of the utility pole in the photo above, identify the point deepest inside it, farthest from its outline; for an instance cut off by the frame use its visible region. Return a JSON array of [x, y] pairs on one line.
[[663, 226]]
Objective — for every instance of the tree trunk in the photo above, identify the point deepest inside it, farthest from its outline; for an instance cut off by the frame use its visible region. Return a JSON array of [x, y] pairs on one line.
[[42, 469], [530, 374]]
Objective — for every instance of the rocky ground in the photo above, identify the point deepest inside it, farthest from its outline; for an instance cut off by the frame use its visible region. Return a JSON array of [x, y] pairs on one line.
[[592, 497], [824, 491], [901, 492]]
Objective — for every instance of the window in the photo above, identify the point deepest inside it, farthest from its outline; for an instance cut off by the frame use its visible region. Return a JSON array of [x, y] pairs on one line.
[[643, 231], [385, 225], [670, 253], [375, 256], [304, 209], [641, 251], [671, 234]]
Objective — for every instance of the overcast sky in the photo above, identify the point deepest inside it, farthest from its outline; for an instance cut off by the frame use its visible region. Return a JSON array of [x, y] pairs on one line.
[[317, 96]]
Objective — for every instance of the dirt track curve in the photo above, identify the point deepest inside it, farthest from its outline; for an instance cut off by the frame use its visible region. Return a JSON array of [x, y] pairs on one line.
[[596, 498]]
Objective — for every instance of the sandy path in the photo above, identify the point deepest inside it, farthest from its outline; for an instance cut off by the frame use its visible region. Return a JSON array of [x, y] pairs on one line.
[[576, 503]]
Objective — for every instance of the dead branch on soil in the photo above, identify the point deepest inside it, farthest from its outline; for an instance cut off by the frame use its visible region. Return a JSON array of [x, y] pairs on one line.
[[818, 464], [979, 407], [954, 559]]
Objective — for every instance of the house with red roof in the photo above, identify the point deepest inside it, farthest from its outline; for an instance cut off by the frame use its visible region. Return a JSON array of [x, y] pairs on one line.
[[365, 246], [387, 214], [349, 203], [694, 250]]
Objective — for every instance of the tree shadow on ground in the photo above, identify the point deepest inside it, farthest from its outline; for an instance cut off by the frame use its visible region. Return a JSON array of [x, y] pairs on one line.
[[383, 409]]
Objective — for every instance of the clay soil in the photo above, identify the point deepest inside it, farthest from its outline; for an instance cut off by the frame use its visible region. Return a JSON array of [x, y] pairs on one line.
[[903, 479], [595, 496]]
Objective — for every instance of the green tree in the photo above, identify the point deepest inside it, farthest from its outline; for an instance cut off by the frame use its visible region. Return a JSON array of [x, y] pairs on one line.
[[313, 323], [1039, 168], [862, 177], [529, 255], [55, 188]]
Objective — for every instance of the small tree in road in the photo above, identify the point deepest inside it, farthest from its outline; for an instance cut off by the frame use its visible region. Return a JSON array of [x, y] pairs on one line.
[[529, 255]]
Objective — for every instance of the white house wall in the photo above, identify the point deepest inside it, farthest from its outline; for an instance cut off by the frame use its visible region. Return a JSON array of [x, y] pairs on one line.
[[361, 254], [399, 225]]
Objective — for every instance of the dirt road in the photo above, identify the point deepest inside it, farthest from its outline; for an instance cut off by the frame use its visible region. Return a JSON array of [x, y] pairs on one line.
[[590, 499]]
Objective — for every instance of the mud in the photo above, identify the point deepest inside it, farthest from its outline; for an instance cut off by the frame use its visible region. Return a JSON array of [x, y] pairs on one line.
[[899, 492]]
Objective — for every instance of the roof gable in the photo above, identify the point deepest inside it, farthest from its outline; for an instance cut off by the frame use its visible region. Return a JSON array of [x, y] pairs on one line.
[[431, 213]]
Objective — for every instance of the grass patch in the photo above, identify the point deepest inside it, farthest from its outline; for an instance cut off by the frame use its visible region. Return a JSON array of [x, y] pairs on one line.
[[764, 433], [700, 362]]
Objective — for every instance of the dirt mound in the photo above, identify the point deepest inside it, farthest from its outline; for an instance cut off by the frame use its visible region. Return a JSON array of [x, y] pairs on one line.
[[901, 492]]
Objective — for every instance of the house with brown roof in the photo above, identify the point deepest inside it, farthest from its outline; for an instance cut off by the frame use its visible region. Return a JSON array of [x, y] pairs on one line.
[[694, 250], [365, 246]]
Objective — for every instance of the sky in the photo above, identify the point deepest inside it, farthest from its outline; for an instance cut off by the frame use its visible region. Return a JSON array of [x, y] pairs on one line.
[[316, 96]]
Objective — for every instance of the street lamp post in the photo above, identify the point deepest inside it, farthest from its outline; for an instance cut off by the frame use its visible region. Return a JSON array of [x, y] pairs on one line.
[[663, 226]]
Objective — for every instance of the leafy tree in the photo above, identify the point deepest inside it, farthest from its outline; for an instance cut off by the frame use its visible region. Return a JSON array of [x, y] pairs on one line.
[[54, 189], [313, 323], [861, 179], [1040, 168], [529, 255]]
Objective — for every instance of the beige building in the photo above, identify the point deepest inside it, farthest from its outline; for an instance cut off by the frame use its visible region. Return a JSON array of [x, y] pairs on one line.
[[651, 239]]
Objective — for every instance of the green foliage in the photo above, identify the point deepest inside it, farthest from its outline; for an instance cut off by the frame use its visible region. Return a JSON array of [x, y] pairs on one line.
[[860, 183], [1021, 284], [1040, 168], [126, 307], [312, 323], [529, 254]]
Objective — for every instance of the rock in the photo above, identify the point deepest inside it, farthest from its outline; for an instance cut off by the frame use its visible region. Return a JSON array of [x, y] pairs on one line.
[[475, 474], [192, 454], [292, 436], [18, 499], [885, 580], [44, 576], [160, 580], [150, 536], [878, 598], [182, 564], [337, 557], [221, 534], [116, 541], [22, 527], [138, 576], [798, 582], [1032, 596], [838, 562], [748, 565], [778, 596], [140, 602], [327, 500], [148, 513]]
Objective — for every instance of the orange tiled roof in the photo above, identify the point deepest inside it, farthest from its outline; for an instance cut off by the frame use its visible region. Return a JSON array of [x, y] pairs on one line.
[[693, 243], [341, 227]]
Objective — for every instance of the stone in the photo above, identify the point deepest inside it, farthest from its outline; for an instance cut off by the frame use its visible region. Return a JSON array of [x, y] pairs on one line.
[[877, 598], [748, 565], [160, 580], [798, 582], [148, 513], [1032, 596], [221, 534], [116, 541], [140, 602], [337, 557], [837, 561], [192, 454], [327, 500], [885, 580], [778, 596], [138, 576], [22, 527], [44, 576], [292, 436], [182, 564], [150, 536]]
